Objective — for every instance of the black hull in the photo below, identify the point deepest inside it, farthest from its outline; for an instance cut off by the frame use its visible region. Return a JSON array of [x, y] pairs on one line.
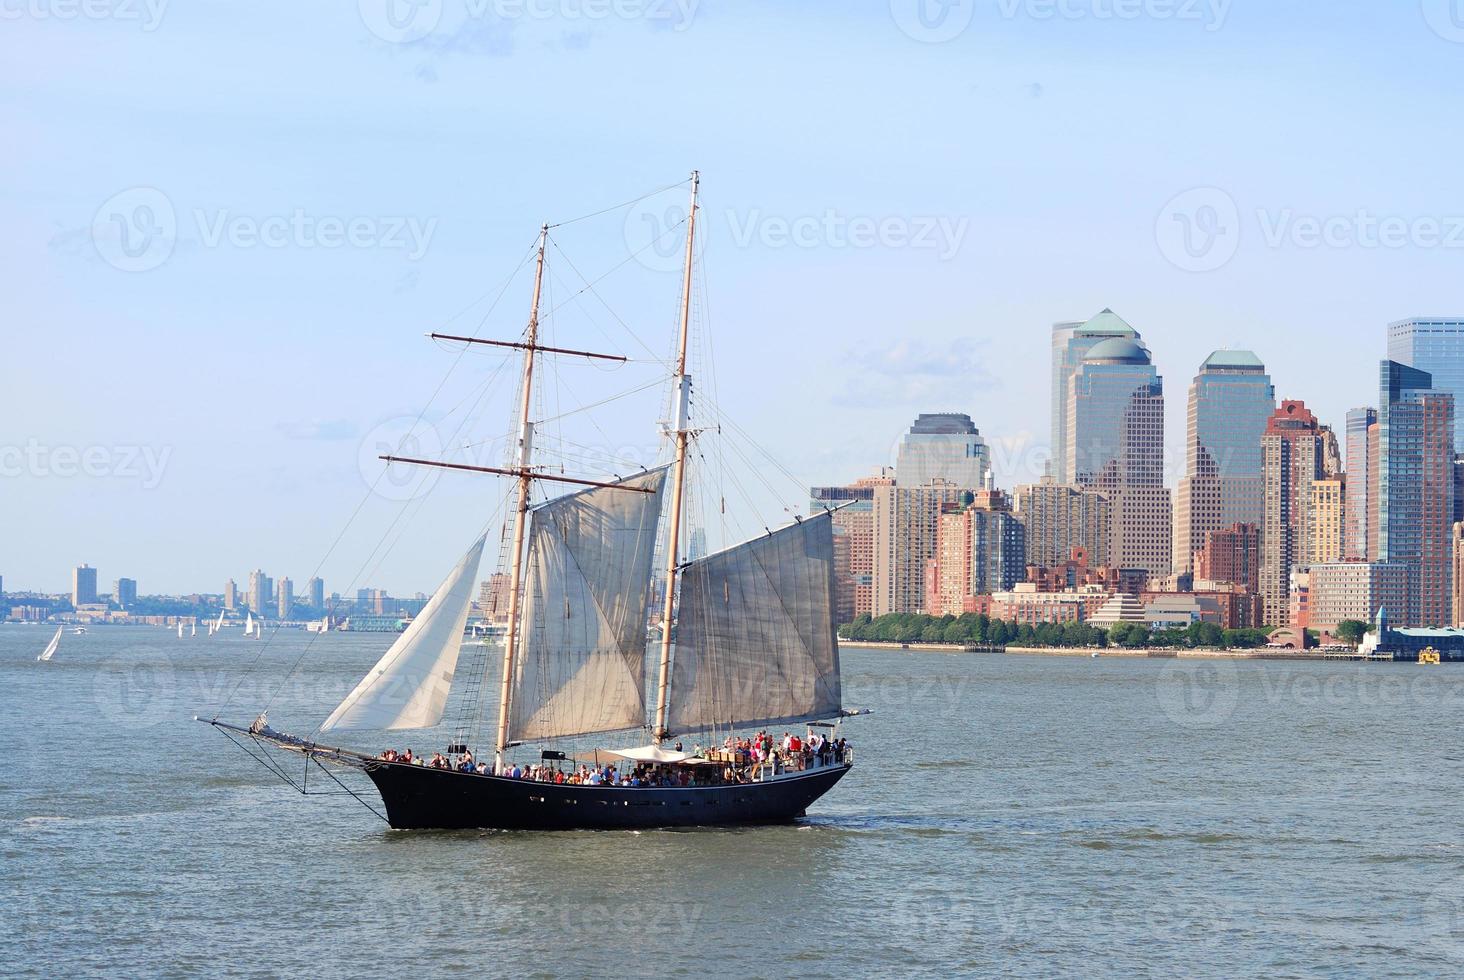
[[419, 798]]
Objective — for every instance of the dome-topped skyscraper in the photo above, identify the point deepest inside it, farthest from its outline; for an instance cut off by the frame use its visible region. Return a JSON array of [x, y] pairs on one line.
[[1115, 442], [944, 447], [1229, 402]]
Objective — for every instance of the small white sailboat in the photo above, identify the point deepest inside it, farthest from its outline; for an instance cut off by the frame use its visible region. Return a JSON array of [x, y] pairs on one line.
[[249, 625], [218, 624], [193, 630], [180, 631], [53, 646]]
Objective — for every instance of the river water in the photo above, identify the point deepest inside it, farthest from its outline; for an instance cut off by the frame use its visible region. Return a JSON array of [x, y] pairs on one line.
[[1008, 814]]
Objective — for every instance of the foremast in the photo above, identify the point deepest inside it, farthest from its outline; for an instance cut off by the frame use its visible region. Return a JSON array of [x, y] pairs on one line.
[[525, 483], [681, 433]]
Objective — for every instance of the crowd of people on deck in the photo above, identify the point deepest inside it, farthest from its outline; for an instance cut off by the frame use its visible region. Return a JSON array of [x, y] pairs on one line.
[[740, 760]]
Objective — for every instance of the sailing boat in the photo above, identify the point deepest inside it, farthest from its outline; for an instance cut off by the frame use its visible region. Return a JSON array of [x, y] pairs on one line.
[[249, 625], [218, 625], [180, 630], [53, 646], [754, 646], [193, 630]]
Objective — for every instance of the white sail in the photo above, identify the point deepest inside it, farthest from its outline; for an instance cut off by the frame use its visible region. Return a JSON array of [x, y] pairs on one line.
[[755, 636], [582, 663], [249, 625], [408, 687], [219, 624], [53, 646], [180, 630], [193, 630]]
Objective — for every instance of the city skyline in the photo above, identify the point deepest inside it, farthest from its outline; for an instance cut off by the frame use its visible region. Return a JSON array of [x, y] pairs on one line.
[[948, 431], [255, 378]]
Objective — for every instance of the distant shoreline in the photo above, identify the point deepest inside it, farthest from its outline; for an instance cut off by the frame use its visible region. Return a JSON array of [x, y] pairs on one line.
[[1087, 652]]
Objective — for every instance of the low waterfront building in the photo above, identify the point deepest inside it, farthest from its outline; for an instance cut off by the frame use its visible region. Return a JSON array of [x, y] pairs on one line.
[[1355, 590], [1025, 605], [1120, 608]]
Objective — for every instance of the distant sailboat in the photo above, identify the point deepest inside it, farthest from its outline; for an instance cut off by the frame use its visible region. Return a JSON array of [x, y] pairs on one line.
[[249, 625], [219, 624], [53, 646], [180, 631], [194, 630]]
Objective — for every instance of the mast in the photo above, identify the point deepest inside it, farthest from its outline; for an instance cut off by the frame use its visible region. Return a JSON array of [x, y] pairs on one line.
[[682, 434], [525, 478]]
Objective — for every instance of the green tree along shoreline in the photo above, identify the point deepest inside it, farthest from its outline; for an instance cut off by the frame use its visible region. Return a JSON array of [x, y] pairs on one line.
[[981, 630]]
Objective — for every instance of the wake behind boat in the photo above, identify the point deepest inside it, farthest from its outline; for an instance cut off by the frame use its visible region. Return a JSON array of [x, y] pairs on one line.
[[752, 651]]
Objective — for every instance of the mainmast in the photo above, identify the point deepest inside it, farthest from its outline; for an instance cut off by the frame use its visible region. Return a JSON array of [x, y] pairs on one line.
[[682, 435], [525, 481]]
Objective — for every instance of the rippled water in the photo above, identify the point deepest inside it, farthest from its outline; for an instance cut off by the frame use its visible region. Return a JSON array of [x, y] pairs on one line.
[[1014, 815]]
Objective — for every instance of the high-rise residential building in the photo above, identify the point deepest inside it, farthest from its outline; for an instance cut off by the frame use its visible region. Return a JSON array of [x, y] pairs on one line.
[[125, 592], [315, 590], [231, 595], [493, 598], [1355, 590], [258, 590], [1434, 345], [1230, 401], [1326, 520], [1115, 443], [1355, 524], [980, 549], [1231, 555], [285, 595], [1294, 456], [943, 447], [1070, 345], [906, 522], [1374, 484], [1061, 519], [83, 585], [853, 541], [1416, 489]]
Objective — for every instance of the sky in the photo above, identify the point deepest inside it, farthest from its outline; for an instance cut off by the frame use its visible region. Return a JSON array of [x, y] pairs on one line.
[[229, 227]]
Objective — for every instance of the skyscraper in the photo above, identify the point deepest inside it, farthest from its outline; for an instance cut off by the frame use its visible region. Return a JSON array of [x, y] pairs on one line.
[[231, 595], [943, 447], [1060, 519], [315, 590], [1115, 443], [83, 585], [1416, 488], [1230, 401], [980, 549], [1231, 556], [1356, 545], [125, 592], [853, 541], [905, 529], [1326, 517], [258, 590], [1294, 456], [1434, 345], [1070, 344], [286, 595]]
